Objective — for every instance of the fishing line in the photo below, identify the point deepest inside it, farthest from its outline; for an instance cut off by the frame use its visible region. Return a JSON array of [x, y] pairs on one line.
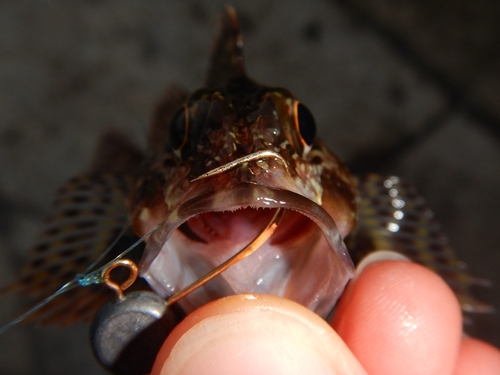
[[105, 252], [68, 286], [96, 276], [86, 279]]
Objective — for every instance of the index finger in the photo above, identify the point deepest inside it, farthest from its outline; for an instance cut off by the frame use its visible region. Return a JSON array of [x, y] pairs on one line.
[[400, 318]]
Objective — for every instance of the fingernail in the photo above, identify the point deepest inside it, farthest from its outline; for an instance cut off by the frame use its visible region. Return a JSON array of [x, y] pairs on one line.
[[379, 256]]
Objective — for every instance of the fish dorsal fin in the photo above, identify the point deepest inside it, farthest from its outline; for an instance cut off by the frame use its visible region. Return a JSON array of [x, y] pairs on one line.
[[227, 63]]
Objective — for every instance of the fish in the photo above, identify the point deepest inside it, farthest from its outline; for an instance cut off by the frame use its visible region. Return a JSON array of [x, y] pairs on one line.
[[220, 162]]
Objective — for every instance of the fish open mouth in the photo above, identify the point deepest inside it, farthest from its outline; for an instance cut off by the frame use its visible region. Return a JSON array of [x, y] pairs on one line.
[[304, 260], [242, 225]]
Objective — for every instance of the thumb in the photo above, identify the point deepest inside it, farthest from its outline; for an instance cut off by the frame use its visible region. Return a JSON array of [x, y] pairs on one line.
[[254, 334]]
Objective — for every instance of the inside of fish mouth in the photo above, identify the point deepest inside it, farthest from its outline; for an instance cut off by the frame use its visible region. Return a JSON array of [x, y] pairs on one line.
[[244, 224]]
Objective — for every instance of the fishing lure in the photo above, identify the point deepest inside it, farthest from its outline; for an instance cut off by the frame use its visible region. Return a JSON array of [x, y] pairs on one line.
[[236, 194]]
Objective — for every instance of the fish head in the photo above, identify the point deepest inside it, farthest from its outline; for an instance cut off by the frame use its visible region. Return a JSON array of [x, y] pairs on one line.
[[235, 151]]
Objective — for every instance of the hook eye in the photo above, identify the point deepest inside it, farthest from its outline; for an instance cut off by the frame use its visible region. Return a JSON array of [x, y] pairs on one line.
[[119, 288]]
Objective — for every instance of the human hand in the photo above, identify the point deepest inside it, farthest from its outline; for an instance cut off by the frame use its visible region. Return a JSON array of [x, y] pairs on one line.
[[396, 317]]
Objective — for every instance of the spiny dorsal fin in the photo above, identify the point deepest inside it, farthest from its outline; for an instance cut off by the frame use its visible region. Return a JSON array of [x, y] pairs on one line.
[[227, 63]]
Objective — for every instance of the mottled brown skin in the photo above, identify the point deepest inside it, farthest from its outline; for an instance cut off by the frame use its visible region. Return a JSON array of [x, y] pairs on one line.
[[230, 118]]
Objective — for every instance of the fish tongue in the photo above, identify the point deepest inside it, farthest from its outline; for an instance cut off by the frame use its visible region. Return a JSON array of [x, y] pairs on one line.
[[241, 225]]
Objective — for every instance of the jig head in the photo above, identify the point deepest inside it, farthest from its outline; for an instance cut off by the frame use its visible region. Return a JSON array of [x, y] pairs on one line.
[[127, 334]]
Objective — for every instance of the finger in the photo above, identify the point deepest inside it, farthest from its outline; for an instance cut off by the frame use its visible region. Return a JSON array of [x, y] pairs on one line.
[[478, 358], [398, 317], [254, 334]]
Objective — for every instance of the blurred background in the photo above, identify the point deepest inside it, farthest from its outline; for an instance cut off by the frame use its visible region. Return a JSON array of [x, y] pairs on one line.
[[407, 87]]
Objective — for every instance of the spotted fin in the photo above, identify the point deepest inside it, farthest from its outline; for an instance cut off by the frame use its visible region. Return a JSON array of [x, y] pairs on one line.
[[88, 215], [392, 216]]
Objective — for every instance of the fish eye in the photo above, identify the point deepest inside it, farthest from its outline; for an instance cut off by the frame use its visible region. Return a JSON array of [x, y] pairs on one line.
[[305, 124], [178, 129]]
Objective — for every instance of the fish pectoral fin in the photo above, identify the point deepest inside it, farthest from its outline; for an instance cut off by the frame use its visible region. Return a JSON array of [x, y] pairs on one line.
[[88, 215], [393, 216]]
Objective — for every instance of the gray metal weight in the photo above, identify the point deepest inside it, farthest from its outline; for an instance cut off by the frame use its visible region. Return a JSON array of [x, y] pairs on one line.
[[127, 335]]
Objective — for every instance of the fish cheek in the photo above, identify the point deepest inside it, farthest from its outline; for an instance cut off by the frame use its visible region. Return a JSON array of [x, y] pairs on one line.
[[146, 218], [339, 199], [147, 204]]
